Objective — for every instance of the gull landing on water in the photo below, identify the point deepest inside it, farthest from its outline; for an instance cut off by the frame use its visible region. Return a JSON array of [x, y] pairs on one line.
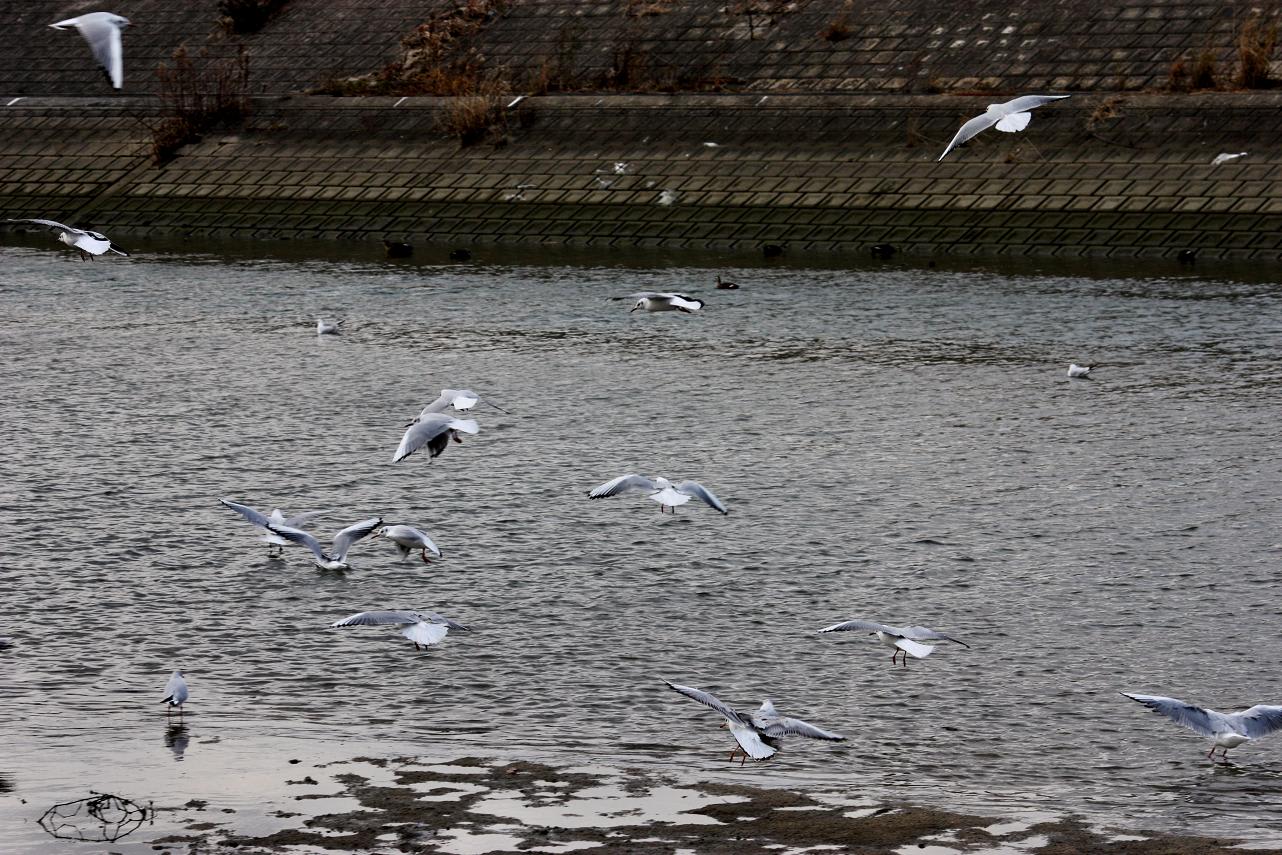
[[435, 430], [102, 31], [336, 558], [407, 539], [661, 490], [175, 693], [752, 742], [89, 243], [276, 518], [905, 639], [1010, 117], [654, 301], [1229, 730], [422, 628], [460, 399]]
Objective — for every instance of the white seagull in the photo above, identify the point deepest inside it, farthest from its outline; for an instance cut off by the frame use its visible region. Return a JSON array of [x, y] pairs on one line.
[[336, 558], [752, 742], [653, 301], [905, 639], [175, 693], [1225, 157], [324, 327], [661, 490], [276, 518], [768, 721], [89, 243], [435, 430], [1075, 370], [422, 628], [407, 539], [460, 399], [102, 31], [1010, 117], [1228, 730]]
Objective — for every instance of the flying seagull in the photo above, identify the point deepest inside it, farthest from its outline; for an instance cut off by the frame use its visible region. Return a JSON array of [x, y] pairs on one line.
[[336, 558], [407, 539], [89, 243], [653, 301], [175, 693], [422, 628], [1010, 117], [661, 490], [435, 430], [1075, 370], [275, 518], [752, 741], [1228, 730], [905, 639], [768, 721], [460, 399], [102, 31]]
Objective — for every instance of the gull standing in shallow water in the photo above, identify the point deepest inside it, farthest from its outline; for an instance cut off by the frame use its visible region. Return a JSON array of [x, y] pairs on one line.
[[266, 522], [336, 559], [175, 693], [1010, 117], [422, 628], [654, 301], [905, 639], [1228, 730], [752, 741], [435, 430], [661, 490], [102, 31], [407, 539], [89, 243]]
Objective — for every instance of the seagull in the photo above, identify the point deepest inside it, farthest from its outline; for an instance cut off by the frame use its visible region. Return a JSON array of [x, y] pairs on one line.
[[435, 430], [768, 721], [336, 559], [102, 31], [324, 327], [276, 518], [661, 490], [653, 301], [1075, 370], [1226, 157], [422, 628], [89, 243], [752, 741], [460, 399], [175, 693], [1010, 117], [905, 639], [407, 539], [1229, 730]]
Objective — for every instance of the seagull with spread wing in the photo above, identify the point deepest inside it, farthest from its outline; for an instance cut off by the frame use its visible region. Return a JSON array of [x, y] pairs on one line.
[[102, 31], [422, 628], [655, 301], [434, 430], [1010, 116], [752, 741], [1228, 730], [336, 558], [89, 243], [461, 400], [661, 490], [905, 639], [265, 522]]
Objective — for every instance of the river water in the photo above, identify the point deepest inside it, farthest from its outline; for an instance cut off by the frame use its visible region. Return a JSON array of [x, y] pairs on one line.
[[897, 444]]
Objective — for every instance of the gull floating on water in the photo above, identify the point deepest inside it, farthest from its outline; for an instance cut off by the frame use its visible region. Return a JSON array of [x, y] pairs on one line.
[[460, 399], [1075, 370], [905, 639], [89, 243], [175, 693], [1228, 730], [655, 301], [1010, 117], [324, 327], [102, 31], [435, 430], [336, 558], [661, 490], [752, 741], [422, 628], [276, 518], [407, 539]]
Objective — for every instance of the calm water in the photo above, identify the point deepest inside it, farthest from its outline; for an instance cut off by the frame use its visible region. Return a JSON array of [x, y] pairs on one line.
[[894, 444]]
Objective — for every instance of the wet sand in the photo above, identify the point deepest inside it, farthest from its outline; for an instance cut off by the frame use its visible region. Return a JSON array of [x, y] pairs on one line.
[[472, 805]]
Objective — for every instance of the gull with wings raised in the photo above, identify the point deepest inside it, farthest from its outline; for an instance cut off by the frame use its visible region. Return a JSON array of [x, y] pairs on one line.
[[434, 430], [752, 741], [661, 490], [102, 31], [265, 522], [1010, 116], [1227, 730], [905, 639], [89, 243], [422, 628], [336, 558]]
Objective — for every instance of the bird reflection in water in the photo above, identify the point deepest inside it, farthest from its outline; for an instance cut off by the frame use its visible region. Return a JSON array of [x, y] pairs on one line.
[[176, 738]]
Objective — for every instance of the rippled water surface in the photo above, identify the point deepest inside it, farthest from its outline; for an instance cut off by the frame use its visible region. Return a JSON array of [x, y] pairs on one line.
[[894, 444]]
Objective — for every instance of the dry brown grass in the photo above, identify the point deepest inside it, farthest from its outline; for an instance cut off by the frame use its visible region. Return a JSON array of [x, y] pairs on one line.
[[648, 8], [248, 16], [1109, 108], [1178, 78], [1204, 73], [837, 29], [473, 119], [199, 93], [1255, 43]]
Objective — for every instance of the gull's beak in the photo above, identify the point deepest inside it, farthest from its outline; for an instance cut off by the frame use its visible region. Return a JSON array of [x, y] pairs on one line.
[[633, 309]]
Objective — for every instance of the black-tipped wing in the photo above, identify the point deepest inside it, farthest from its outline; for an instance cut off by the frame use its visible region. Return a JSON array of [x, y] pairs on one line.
[[922, 633], [622, 484], [249, 513], [702, 493], [866, 625], [1196, 719], [710, 700], [297, 535], [344, 539]]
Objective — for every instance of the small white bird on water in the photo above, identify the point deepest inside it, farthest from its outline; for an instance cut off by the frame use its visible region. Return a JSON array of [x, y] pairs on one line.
[[654, 301], [277, 518], [175, 693], [1010, 117], [434, 430], [89, 243], [905, 639], [324, 327], [102, 31], [1228, 730], [1076, 371], [661, 490], [422, 628], [752, 742], [336, 558], [407, 539]]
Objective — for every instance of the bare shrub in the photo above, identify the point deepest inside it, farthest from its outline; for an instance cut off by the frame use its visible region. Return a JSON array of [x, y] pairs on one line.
[[198, 94], [1255, 43], [837, 29], [248, 16], [1178, 78], [1204, 70]]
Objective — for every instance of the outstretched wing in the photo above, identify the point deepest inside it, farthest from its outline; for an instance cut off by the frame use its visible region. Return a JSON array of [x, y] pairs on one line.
[[1194, 718], [970, 129], [1259, 720], [1024, 103], [703, 494], [378, 618], [784, 726], [622, 484], [433, 617], [710, 700], [922, 633], [305, 517], [250, 514], [432, 430], [344, 539], [49, 224], [866, 625], [297, 535]]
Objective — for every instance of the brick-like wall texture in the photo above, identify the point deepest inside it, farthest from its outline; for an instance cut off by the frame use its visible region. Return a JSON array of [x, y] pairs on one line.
[[824, 132]]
